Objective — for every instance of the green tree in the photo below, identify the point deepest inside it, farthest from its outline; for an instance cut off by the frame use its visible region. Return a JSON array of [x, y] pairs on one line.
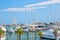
[[1, 33], [55, 33], [40, 34], [51, 23], [19, 31]]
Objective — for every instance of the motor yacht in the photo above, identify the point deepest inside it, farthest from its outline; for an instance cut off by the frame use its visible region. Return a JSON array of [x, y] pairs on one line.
[[49, 33]]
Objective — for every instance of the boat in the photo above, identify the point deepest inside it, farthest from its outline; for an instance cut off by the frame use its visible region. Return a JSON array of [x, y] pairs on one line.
[[49, 34], [11, 30]]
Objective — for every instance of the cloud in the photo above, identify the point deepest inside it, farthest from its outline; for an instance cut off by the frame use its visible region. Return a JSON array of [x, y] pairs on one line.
[[44, 3], [21, 9], [16, 9], [32, 6]]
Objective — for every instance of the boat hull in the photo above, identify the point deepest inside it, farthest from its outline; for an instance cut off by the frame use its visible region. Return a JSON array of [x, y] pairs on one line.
[[47, 38]]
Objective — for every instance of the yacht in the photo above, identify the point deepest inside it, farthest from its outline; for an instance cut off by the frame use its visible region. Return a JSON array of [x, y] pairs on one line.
[[11, 30], [49, 33]]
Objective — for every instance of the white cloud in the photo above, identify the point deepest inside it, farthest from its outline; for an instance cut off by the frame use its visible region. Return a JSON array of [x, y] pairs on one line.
[[15, 9], [21, 9], [32, 6], [44, 3]]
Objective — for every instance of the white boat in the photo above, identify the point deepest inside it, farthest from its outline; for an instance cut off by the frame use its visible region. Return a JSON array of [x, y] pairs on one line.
[[4, 29], [49, 34], [26, 30], [11, 30]]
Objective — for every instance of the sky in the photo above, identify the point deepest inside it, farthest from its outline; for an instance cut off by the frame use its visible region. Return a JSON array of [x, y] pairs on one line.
[[28, 11]]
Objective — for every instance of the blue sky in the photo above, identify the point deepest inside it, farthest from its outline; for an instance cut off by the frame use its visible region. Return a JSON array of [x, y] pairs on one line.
[[28, 11]]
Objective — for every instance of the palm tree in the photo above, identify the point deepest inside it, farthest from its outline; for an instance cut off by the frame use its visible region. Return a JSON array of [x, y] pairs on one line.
[[1, 33], [19, 31], [40, 34], [55, 33]]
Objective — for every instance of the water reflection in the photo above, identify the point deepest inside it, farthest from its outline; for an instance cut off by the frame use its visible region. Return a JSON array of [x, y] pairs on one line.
[[13, 36]]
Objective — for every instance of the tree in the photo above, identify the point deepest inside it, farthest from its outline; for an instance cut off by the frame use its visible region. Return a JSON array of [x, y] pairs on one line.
[[19, 31], [1, 33], [55, 33], [40, 34], [51, 23]]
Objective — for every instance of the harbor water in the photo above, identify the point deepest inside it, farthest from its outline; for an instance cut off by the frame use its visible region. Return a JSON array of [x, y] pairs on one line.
[[13, 36]]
